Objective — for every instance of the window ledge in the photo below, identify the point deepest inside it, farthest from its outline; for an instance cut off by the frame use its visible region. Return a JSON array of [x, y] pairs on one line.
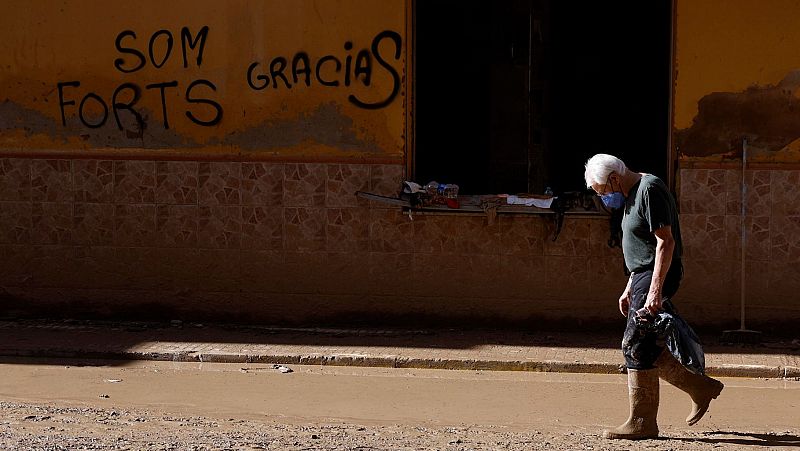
[[473, 206]]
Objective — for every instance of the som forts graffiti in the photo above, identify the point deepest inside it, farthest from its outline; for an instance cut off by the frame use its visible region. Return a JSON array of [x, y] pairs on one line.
[[94, 111]]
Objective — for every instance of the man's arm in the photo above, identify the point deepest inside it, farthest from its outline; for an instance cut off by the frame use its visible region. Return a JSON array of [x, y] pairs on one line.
[[665, 245], [625, 299]]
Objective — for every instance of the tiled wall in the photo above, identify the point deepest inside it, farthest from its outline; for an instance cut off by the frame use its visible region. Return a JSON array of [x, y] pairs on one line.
[[280, 243], [710, 201]]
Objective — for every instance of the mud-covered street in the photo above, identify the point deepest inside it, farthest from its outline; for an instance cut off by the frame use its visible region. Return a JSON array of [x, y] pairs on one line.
[[150, 405]]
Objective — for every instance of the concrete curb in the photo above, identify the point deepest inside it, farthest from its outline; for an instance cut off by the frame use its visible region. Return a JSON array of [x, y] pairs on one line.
[[391, 361]]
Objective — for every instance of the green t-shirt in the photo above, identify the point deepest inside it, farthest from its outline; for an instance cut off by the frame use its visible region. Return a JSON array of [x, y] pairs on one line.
[[648, 207]]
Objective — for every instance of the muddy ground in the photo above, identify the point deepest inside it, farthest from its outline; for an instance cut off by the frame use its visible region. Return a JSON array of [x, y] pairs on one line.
[[149, 406]]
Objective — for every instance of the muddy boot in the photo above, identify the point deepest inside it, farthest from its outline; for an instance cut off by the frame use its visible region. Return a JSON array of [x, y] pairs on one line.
[[643, 394], [702, 389]]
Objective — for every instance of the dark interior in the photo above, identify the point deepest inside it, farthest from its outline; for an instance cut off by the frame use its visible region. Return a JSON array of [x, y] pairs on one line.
[[515, 95]]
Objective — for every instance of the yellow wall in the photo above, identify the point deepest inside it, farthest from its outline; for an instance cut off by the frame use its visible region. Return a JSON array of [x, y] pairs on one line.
[[43, 43], [739, 52]]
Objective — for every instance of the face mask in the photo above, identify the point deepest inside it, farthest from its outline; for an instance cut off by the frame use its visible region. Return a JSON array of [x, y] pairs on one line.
[[614, 200]]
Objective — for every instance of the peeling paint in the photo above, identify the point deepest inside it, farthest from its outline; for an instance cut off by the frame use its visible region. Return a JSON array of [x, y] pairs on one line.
[[326, 125], [768, 116], [107, 63], [32, 122]]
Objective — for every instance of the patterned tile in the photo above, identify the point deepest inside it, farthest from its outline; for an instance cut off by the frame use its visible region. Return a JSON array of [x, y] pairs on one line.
[[347, 230], [328, 273], [304, 229], [767, 238], [733, 237], [785, 239], [567, 277], [219, 227], [51, 181], [304, 185], [176, 225], [607, 278], [709, 281], [53, 266], [521, 235], [149, 268], [390, 231], [386, 180], [432, 275], [435, 234], [135, 225], [599, 236], [51, 223], [455, 275], [262, 184], [758, 277], [343, 181], [784, 284], [93, 224], [218, 270], [17, 264], [522, 277], [93, 180], [15, 222], [179, 270], [219, 183], [573, 240], [704, 236], [94, 267], [263, 271], [389, 273], [262, 228], [473, 235], [134, 182], [758, 196], [703, 191], [15, 179], [733, 188], [784, 191], [176, 182], [758, 237]]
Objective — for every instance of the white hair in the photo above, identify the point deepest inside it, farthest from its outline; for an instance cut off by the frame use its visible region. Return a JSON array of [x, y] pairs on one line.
[[600, 166]]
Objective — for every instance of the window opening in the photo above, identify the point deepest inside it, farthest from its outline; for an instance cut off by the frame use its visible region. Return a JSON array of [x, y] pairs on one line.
[[514, 95]]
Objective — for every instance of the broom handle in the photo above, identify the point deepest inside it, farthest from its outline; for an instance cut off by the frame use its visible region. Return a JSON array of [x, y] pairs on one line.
[[744, 228]]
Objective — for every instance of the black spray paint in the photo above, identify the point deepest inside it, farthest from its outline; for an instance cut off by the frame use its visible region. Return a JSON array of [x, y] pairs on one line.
[[202, 109], [331, 71]]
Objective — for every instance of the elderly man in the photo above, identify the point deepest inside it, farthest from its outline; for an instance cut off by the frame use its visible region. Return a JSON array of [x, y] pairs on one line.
[[651, 246]]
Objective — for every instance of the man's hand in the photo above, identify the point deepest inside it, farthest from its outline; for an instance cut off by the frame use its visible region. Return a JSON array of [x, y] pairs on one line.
[[653, 303], [624, 303]]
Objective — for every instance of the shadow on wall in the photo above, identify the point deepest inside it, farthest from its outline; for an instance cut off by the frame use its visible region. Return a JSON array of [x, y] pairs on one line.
[[768, 116]]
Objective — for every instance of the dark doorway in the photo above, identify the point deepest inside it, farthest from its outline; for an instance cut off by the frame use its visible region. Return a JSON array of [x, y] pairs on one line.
[[515, 95]]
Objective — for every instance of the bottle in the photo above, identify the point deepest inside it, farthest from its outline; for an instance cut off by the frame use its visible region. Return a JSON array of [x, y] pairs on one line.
[[431, 188], [451, 191]]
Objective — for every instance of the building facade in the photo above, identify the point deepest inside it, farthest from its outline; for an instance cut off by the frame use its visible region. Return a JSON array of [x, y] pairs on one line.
[[198, 160]]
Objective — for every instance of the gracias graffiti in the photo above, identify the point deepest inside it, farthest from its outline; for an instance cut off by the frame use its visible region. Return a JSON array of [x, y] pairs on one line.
[[332, 71]]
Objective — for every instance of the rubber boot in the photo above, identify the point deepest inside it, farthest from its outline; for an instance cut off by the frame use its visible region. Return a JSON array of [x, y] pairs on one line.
[[643, 395], [702, 389]]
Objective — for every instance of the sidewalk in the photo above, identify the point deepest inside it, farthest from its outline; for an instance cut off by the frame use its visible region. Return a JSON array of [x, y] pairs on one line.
[[437, 349]]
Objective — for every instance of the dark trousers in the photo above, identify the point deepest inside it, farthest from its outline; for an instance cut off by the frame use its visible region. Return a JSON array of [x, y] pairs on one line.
[[640, 345]]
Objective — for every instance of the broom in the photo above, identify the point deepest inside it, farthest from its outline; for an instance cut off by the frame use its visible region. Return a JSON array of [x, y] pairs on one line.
[[742, 334]]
